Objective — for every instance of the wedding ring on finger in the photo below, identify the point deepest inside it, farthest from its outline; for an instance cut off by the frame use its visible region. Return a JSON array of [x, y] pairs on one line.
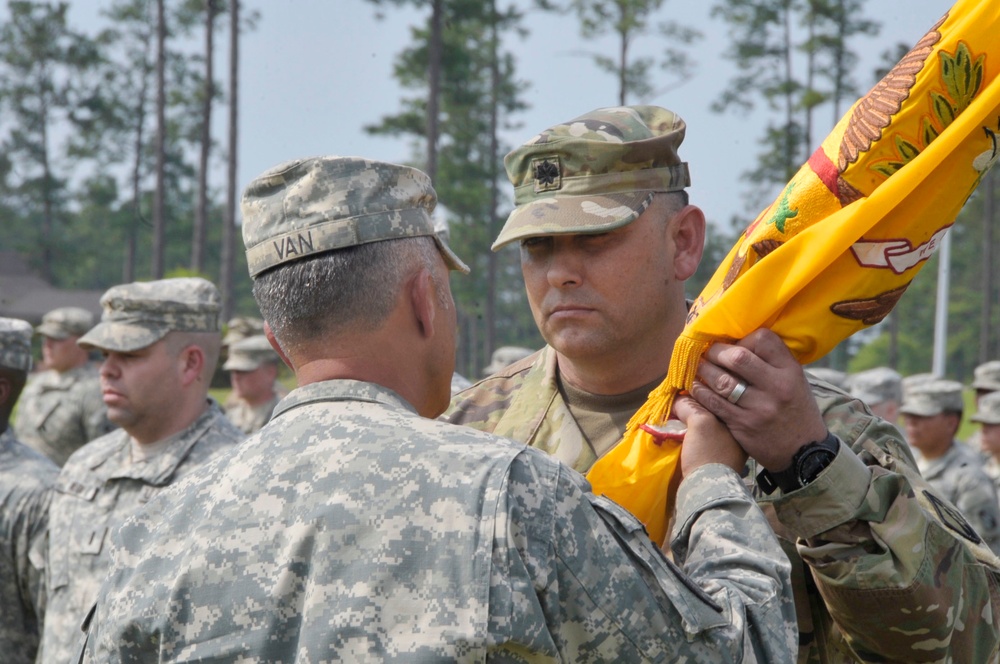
[[737, 392]]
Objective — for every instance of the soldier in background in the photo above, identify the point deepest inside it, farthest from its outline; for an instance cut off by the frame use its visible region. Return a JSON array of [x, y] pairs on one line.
[[505, 356], [932, 414], [253, 371], [160, 341], [353, 528], [25, 479], [988, 416], [61, 408], [881, 389], [985, 380], [607, 239], [238, 329]]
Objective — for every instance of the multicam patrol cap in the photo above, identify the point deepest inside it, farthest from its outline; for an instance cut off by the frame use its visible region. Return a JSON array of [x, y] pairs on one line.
[[242, 327], [15, 344], [250, 353], [988, 411], [933, 398], [987, 376], [876, 386], [66, 322], [139, 314], [594, 173], [311, 206]]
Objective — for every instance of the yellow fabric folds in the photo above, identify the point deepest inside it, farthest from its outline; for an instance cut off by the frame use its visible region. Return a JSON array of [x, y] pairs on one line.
[[838, 247]]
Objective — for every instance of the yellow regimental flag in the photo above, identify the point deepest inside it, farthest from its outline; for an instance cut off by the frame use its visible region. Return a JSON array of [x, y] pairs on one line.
[[837, 249]]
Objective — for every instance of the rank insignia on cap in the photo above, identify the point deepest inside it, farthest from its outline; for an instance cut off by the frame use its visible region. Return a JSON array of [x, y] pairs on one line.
[[548, 174]]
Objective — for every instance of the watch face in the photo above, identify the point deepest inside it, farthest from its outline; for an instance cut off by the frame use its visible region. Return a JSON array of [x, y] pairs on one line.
[[813, 463]]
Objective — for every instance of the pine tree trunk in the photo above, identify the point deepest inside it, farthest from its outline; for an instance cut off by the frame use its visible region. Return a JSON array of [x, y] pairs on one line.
[[159, 194], [201, 209], [229, 217], [434, 86]]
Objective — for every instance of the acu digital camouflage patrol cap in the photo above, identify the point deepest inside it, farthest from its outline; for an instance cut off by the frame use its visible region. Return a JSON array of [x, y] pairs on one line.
[[595, 173], [876, 386], [311, 206], [988, 411], [933, 398], [250, 353], [242, 327], [139, 314], [66, 322], [15, 344], [987, 376]]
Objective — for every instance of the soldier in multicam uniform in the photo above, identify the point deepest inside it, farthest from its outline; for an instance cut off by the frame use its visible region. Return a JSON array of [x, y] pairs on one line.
[[61, 408], [881, 389], [25, 480], [351, 528], [253, 367], [160, 341], [607, 240], [932, 414]]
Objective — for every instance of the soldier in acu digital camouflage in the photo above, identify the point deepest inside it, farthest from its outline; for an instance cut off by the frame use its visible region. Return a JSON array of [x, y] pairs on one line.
[[25, 480], [161, 342], [607, 239], [61, 408], [932, 414], [985, 380], [881, 389], [353, 527], [253, 370]]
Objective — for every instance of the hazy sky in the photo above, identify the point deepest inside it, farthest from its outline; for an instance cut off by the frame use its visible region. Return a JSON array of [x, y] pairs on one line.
[[314, 72]]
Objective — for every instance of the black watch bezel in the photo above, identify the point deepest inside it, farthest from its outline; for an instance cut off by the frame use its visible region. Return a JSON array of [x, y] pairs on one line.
[[809, 461]]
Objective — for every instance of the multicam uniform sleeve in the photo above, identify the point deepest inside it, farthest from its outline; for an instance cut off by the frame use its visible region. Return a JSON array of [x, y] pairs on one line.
[[874, 534], [576, 578]]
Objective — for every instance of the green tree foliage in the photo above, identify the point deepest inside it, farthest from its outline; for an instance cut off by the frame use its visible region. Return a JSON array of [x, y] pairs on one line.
[[468, 163], [627, 21]]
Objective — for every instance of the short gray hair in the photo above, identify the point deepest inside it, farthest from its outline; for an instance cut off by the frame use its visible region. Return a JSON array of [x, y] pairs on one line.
[[351, 288]]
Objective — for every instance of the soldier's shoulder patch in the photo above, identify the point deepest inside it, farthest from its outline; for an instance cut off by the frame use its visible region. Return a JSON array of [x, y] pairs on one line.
[[951, 518]]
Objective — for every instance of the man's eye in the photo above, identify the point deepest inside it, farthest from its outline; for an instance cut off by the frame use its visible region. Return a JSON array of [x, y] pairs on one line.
[[532, 242]]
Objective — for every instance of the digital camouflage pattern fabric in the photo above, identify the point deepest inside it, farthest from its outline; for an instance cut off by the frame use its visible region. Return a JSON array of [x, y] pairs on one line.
[[250, 419], [139, 314], [15, 344], [309, 206], [59, 412], [868, 532], [351, 529], [98, 488], [594, 173], [25, 479], [66, 322]]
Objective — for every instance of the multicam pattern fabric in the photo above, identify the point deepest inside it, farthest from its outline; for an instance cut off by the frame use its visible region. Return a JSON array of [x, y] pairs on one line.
[[594, 173], [25, 478], [960, 478], [869, 532], [139, 314], [351, 529], [309, 206], [98, 488], [250, 419], [59, 412]]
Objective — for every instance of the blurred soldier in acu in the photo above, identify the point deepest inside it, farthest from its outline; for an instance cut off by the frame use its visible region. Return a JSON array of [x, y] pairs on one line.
[[25, 479], [881, 389], [985, 380], [607, 239], [61, 408], [932, 414], [253, 371], [160, 341], [352, 528], [238, 329], [505, 356], [988, 416]]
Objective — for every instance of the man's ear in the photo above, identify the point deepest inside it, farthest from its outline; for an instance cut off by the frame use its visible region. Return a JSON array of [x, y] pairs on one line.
[[688, 228], [192, 360], [423, 300], [271, 339]]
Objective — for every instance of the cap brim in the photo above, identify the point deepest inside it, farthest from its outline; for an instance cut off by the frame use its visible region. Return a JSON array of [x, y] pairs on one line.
[[985, 385], [921, 410], [985, 419], [241, 364], [451, 259], [121, 337], [573, 215], [52, 331]]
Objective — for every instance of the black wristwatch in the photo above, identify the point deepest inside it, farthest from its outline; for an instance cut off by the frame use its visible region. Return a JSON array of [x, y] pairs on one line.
[[811, 460]]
